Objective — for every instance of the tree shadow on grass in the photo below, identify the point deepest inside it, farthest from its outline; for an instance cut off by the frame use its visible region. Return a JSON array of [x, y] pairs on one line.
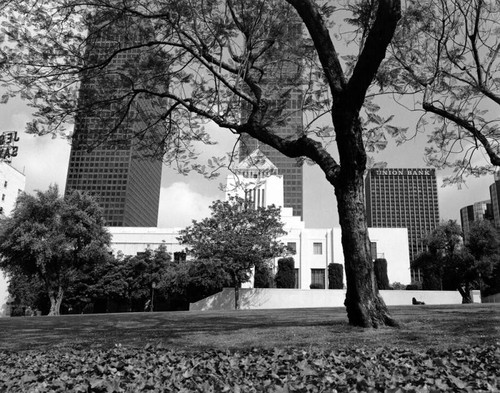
[[421, 327]]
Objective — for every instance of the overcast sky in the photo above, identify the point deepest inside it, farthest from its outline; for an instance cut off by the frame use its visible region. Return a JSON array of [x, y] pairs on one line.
[[44, 161]]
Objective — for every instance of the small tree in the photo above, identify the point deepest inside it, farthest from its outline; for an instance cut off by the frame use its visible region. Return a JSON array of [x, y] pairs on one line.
[[483, 244], [53, 238], [130, 282], [26, 291], [381, 273], [335, 276], [285, 277], [238, 235], [449, 264], [192, 280]]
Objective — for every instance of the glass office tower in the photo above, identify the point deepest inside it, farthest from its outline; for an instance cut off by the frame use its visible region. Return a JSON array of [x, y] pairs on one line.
[[108, 146], [403, 198]]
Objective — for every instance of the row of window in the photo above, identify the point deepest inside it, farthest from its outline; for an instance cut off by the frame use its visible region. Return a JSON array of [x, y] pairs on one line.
[[318, 278], [317, 248]]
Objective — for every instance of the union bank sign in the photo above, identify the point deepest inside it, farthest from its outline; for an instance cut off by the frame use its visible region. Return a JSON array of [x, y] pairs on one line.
[[403, 172]]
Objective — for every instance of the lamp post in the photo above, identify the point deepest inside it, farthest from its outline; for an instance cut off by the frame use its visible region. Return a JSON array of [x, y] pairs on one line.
[[153, 286]]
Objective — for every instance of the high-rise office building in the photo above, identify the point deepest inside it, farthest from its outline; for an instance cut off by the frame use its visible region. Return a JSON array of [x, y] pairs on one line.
[[284, 78], [495, 199], [403, 198], [108, 149], [476, 212]]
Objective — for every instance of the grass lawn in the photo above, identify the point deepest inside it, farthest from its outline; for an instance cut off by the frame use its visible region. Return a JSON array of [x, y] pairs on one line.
[[421, 327], [437, 348]]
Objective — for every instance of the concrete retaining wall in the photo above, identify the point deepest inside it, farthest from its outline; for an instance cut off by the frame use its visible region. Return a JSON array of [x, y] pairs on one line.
[[268, 298]]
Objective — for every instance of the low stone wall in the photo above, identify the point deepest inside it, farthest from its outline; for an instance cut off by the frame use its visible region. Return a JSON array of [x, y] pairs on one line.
[[269, 298]]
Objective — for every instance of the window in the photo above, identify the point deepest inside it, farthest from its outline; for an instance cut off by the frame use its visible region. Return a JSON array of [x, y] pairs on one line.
[[5, 184], [296, 276], [317, 248], [291, 247], [3, 197], [373, 250], [318, 278]]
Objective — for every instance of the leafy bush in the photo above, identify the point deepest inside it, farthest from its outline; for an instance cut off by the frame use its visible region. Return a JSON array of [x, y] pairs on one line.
[[398, 286], [316, 286], [335, 276], [381, 273], [285, 277], [263, 276]]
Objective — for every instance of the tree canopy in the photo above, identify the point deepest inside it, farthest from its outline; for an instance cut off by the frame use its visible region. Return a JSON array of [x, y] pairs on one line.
[[54, 239], [170, 67], [445, 56], [237, 236], [451, 264]]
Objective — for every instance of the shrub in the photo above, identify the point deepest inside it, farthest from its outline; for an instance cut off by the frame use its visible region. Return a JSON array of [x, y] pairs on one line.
[[285, 277], [381, 273], [335, 276], [316, 286], [398, 286], [263, 276], [412, 287]]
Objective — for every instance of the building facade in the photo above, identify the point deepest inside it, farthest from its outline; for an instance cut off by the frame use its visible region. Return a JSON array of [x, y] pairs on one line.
[[312, 249], [12, 182], [403, 198], [107, 157], [478, 211], [495, 199], [290, 124]]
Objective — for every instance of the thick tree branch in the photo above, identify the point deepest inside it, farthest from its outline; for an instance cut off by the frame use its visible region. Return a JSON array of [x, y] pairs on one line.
[[311, 16], [379, 38], [494, 157], [300, 147]]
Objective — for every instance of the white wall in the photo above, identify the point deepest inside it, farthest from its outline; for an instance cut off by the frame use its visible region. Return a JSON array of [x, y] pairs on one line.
[[12, 182], [131, 240], [392, 243], [266, 298]]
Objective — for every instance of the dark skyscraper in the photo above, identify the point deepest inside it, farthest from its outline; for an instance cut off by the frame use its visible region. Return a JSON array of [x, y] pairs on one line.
[[495, 200], [287, 71], [288, 167], [476, 212], [403, 198], [106, 157]]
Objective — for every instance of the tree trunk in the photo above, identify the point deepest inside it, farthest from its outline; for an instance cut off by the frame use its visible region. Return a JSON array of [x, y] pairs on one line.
[[236, 296], [466, 297], [56, 298], [365, 307]]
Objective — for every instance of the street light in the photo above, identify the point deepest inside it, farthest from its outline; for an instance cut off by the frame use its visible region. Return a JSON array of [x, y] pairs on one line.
[[153, 286]]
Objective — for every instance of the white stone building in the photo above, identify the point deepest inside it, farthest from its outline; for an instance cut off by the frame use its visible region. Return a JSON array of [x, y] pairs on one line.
[[256, 178], [12, 182]]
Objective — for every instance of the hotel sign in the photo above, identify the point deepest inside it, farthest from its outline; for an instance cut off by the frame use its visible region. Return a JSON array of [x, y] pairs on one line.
[[403, 172], [8, 149]]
